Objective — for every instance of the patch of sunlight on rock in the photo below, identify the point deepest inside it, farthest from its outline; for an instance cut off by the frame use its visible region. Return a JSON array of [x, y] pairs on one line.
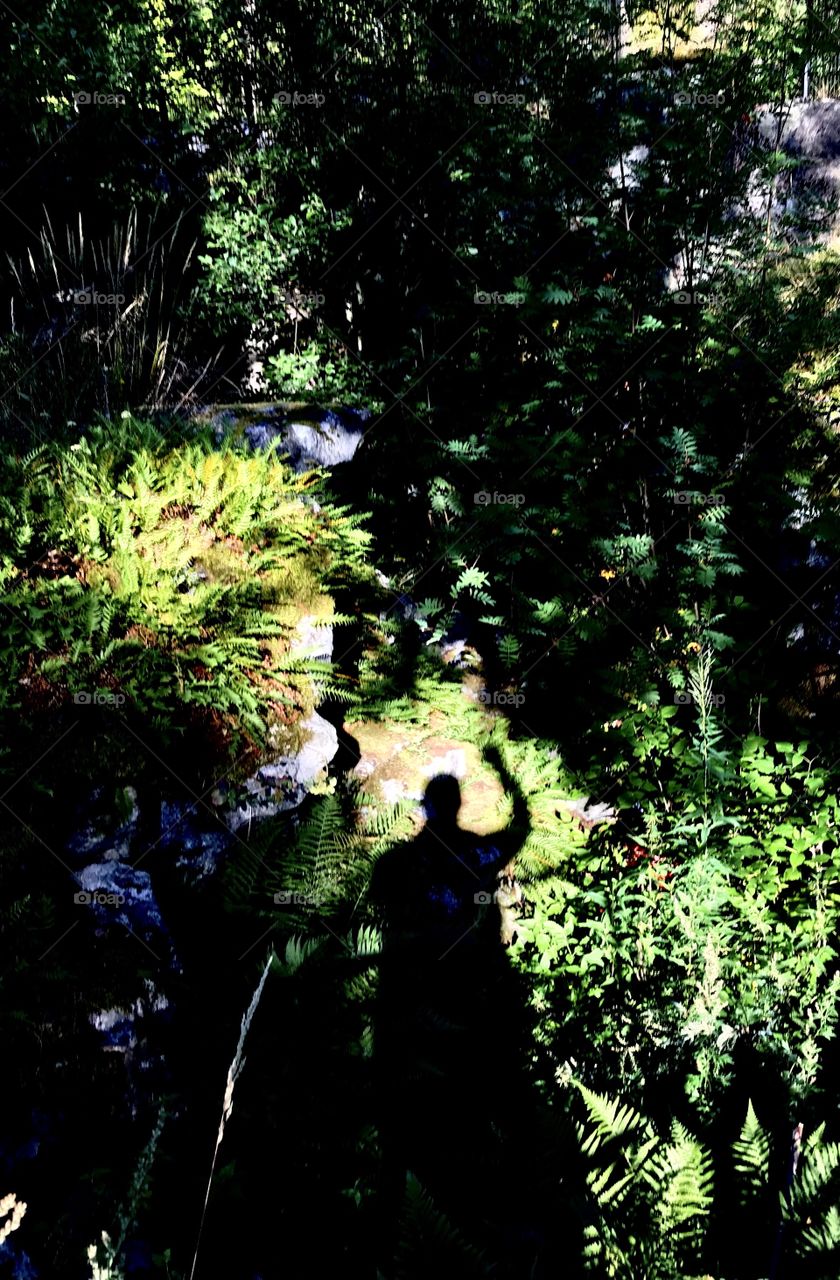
[[397, 761]]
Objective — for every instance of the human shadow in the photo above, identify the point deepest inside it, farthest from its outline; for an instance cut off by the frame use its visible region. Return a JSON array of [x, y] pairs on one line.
[[456, 1107]]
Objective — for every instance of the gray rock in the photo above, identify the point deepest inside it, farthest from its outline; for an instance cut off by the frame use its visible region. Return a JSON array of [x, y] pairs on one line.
[[403, 610], [802, 201], [122, 895], [283, 783], [623, 172], [198, 851], [313, 640], [319, 749], [221, 423], [118, 1026], [810, 132], [117, 1029], [809, 129], [202, 860], [328, 439], [134, 1030]]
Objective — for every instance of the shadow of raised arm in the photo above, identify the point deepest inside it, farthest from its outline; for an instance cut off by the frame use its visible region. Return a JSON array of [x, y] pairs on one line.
[[511, 840], [508, 894]]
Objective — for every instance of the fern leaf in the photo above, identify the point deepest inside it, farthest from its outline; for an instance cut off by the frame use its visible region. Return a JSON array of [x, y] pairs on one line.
[[751, 1156]]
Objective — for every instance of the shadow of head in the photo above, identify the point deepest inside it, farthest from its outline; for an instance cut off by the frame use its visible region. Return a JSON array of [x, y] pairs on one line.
[[442, 800]]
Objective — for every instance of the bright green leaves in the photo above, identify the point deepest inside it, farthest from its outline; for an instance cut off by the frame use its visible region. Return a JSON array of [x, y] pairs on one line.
[[174, 572]]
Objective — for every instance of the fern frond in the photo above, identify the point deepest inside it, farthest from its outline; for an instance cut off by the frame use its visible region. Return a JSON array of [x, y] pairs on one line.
[[609, 1118], [429, 1242], [751, 1157], [682, 1175]]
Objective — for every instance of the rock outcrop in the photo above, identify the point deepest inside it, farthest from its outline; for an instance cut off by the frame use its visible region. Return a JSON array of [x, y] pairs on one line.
[[316, 438], [283, 783]]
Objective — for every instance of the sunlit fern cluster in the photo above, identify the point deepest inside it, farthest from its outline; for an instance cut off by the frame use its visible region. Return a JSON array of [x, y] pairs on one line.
[[651, 1196], [170, 571]]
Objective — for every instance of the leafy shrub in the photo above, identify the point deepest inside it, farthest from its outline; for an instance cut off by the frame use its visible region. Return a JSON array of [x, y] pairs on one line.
[[168, 572]]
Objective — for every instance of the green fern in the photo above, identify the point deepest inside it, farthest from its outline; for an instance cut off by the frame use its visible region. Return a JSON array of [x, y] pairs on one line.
[[682, 1176], [429, 1242], [652, 1196], [172, 572], [751, 1157]]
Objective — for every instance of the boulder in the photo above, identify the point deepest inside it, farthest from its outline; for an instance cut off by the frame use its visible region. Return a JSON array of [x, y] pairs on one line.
[[198, 850], [122, 896], [808, 131], [119, 1027], [624, 173], [312, 639], [322, 438], [283, 783]]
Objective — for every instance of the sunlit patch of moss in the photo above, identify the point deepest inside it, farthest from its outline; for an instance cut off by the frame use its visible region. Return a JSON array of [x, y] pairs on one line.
[[293, 588], [397, 762], [223, 562], [419, 716]]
